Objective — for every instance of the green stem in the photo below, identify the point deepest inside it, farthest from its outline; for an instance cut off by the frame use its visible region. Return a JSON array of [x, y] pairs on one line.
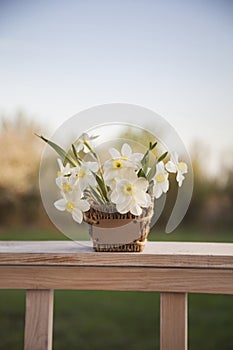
[[100, 169]]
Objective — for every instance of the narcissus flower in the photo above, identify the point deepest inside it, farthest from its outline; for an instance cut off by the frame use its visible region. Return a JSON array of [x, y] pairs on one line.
[[78, 177], [73, 203], [161, 184], [64, 170], [83, 142], [121, 163], [127, 155], [130, 195], [65, 183], [63, 179], [174, 166], [83, 175]]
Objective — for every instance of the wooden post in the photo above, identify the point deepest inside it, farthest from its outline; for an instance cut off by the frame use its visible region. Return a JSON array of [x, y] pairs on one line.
[[173, 321], [39, 320]]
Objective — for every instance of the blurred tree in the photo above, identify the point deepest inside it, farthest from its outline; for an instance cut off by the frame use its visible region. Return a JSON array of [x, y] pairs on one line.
[[212, 201], [19, 159]]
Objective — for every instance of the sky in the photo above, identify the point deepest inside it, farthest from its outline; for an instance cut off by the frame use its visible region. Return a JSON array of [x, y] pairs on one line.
[[175, 57]]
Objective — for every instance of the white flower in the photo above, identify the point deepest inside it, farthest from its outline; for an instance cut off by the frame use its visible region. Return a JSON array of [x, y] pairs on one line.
[[130, 195], [73, 203], [174, 166], [83, 175], [119, 165], [63, 179], [127, 155], [64, 170], [65, 183], [82, 141], [161, 184]]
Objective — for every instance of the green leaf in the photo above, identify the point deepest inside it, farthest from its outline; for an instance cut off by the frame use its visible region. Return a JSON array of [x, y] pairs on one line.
[[101, 186], [90, 149], [152, 146], [62, 153], [152, 172], [145, 161], [74, 151], [145, 157], [79, 160], [96, 195], [141, 173], [162, 156]]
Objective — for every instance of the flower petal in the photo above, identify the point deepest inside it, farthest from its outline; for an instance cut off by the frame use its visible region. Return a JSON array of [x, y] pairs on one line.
[[141, 184], [135, 209], [160, 167], [59, 181], [114, 196], [157, 190], [77, 215], [82, 204], [60, 164], [185, 168], [115, 154], [140, 197], [60, 204], [136, 157], [126, 150], [148, 201], [179, 178], [171, 167], [124, 206], [165, 186]]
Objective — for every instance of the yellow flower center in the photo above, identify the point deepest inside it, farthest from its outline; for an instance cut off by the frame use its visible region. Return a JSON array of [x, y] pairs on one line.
[[129, 189], [59, 173], [160, 177], [82, 173], [70, 206], [182, 166], [117, 164], [66, 187]]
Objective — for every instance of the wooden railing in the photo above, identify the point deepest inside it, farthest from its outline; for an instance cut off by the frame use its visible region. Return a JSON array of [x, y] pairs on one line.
[[173, 269]]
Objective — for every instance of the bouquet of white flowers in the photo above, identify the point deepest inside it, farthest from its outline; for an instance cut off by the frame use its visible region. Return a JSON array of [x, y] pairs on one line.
[[122, 188]]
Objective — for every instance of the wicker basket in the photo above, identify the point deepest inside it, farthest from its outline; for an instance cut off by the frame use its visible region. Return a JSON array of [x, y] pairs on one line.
[[103, 220]]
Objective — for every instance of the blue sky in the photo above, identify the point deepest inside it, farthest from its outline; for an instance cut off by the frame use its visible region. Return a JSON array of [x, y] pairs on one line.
[[174, 57]]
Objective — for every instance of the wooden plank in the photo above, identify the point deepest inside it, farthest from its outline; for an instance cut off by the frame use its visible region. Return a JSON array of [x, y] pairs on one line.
[[116, 278], [173, 321], [38, 320], [160, 254]]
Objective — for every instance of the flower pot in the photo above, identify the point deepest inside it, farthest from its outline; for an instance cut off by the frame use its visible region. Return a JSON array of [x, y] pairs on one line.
[[114, 232]]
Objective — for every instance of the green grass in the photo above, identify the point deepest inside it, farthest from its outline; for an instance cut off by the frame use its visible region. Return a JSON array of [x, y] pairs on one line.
[[30, 234], [107, 320], [180, 235], [119, 320], [195, 234]]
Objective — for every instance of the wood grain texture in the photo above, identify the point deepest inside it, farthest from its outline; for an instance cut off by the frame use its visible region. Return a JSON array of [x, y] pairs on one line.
[[173, 321], [172, 268], [160, 254], [118, 278], [38, 320]]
